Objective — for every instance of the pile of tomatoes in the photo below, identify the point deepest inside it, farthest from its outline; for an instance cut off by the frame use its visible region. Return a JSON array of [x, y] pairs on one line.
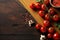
[[47, 12]]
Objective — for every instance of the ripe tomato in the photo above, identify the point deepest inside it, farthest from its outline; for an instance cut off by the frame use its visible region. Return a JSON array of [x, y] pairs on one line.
[[32, 6], [43, 7], [56, 3], [56, 36], [41, 13], [55, 17], [38, 26], [51, 11], [37, 5], [46, 2], [49, 35], [47, 17], [51, 30], [43, 29], [46, 23]]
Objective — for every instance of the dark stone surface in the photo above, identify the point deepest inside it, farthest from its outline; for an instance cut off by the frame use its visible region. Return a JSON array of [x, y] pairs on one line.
[[13, 22]]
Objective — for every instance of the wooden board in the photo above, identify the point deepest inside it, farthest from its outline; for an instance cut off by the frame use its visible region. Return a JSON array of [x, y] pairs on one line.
[[39, 20]]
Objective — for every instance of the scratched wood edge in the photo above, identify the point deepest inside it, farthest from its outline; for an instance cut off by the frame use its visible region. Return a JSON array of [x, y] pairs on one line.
[[39, 20]]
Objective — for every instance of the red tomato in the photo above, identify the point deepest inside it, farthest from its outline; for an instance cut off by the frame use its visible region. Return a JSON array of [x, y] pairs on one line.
[[47, 17], [43, 7], [56, 3], [46, 2], [37, 5], [46, 23], [51, 11], [32, 6], [56, 36], [55, 17], [43, 29], [49, 35], [41, 13], [38, 26], [51, 30]]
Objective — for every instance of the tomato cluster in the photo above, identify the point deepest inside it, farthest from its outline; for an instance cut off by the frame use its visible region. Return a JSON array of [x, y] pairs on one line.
[[49, 15], [50, 31]]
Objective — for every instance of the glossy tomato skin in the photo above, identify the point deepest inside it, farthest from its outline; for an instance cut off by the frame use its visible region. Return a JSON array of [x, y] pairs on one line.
[[56, 36], [43, 7], [41, 13], [43, 29], [32, 6], [55, 17], [51, 11], [38, 5], [51, 30], [47, 17], [49, 35], [46, 2], [46, 23], [37, 26]]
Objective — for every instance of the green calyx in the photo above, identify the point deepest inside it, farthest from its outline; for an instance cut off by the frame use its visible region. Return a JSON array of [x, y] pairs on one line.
[[39, 1]]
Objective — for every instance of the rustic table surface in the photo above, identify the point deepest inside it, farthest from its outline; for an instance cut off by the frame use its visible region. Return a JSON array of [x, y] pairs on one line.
[[14, 22]]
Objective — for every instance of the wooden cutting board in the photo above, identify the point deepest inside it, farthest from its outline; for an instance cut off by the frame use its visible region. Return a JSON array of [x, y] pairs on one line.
[[39, 20]]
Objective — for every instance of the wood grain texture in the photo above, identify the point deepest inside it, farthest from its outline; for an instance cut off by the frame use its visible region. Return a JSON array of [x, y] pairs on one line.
[[12, 22]]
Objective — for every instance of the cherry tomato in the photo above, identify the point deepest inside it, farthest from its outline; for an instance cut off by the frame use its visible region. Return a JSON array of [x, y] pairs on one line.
[[43, 29], [32, 6], [56, 36], [51, 11], [51, 30], [47, 17], [49, 35], [43, 7], [41, 13], [55, 17], [38, 26], [46, 23], [37, 5], [46, 2]]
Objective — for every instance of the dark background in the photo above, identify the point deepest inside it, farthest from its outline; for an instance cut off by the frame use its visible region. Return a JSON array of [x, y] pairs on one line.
[[14, 22]]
